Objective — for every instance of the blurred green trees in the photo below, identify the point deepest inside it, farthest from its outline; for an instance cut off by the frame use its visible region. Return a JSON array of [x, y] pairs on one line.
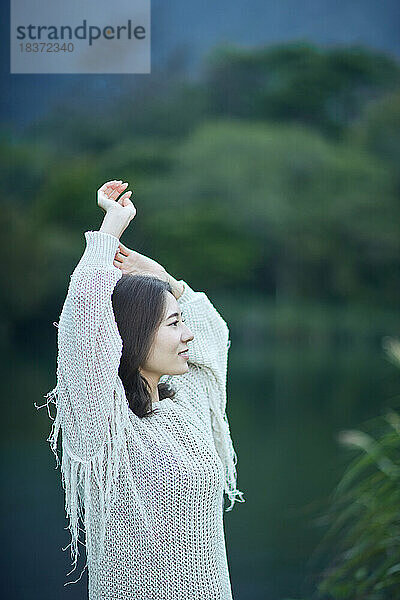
[[276, 169], [309, 217], [298, 82]]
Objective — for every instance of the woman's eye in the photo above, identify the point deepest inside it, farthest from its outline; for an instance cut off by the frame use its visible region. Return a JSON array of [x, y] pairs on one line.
[[176, 322]]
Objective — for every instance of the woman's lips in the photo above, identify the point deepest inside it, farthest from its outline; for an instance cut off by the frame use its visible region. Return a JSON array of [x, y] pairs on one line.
[[184, 354]]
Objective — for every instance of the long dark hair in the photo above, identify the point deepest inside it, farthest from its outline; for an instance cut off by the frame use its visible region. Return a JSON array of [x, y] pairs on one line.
[[139, 303]]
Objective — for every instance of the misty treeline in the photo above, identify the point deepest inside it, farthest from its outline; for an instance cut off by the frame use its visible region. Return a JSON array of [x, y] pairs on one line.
[[276, 169]]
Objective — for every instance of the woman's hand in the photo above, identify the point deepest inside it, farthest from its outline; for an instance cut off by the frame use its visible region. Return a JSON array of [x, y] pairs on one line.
[[107, 199], [131, 262]]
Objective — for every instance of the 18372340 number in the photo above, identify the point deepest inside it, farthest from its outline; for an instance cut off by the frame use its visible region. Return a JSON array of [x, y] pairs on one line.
[[46, 47]]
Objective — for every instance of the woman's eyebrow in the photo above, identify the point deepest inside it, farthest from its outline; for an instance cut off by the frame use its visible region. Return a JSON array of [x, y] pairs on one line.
[[173, 315]]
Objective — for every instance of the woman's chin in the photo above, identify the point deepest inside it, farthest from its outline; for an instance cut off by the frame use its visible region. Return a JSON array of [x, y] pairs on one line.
[[177, 371], [182, 369]]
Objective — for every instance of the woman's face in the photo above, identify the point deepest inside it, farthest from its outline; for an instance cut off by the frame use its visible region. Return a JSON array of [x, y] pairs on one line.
[[171, 338]]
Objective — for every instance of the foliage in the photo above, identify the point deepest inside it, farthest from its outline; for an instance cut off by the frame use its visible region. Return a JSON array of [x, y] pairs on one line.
[[323, 88], [378, 129], [238, 182], [309, 217], [364, 518]]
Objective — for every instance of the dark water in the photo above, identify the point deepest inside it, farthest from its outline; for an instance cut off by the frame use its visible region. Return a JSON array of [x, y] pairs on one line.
[[287, 402]]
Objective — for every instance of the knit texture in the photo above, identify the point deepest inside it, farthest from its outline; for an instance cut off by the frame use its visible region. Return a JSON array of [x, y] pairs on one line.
[[148, 493]]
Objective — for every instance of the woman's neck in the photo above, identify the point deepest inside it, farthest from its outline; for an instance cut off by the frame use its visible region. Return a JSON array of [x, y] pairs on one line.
[[153, 381]]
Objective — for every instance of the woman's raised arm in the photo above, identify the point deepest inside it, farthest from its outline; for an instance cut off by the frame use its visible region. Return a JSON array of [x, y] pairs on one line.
[[91, 412], [209, 348], [89, 344]]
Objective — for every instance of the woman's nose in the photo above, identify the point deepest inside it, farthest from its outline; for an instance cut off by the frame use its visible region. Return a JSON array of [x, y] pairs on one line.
[[189, 335]]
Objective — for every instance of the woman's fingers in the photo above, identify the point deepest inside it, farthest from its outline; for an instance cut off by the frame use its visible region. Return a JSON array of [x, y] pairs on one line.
[[119, 255], [113, 188], [119, 266], [104, 186], [123, 250], [106, 191], [117, 190], [123, 200], [109, 185]]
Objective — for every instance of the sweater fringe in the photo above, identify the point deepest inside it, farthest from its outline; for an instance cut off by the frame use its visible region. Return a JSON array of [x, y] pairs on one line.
[[227, 454], [85, 480]]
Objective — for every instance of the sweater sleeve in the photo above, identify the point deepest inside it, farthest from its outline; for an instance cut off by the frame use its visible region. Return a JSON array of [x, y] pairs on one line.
[[209, 347], [89, 347], [208, 358], [91, 407]]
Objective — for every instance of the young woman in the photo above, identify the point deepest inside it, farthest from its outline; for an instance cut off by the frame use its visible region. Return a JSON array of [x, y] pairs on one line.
[[140, 399]]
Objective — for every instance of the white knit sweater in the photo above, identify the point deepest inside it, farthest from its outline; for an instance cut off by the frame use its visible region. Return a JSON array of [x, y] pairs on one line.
[[147, 492]]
